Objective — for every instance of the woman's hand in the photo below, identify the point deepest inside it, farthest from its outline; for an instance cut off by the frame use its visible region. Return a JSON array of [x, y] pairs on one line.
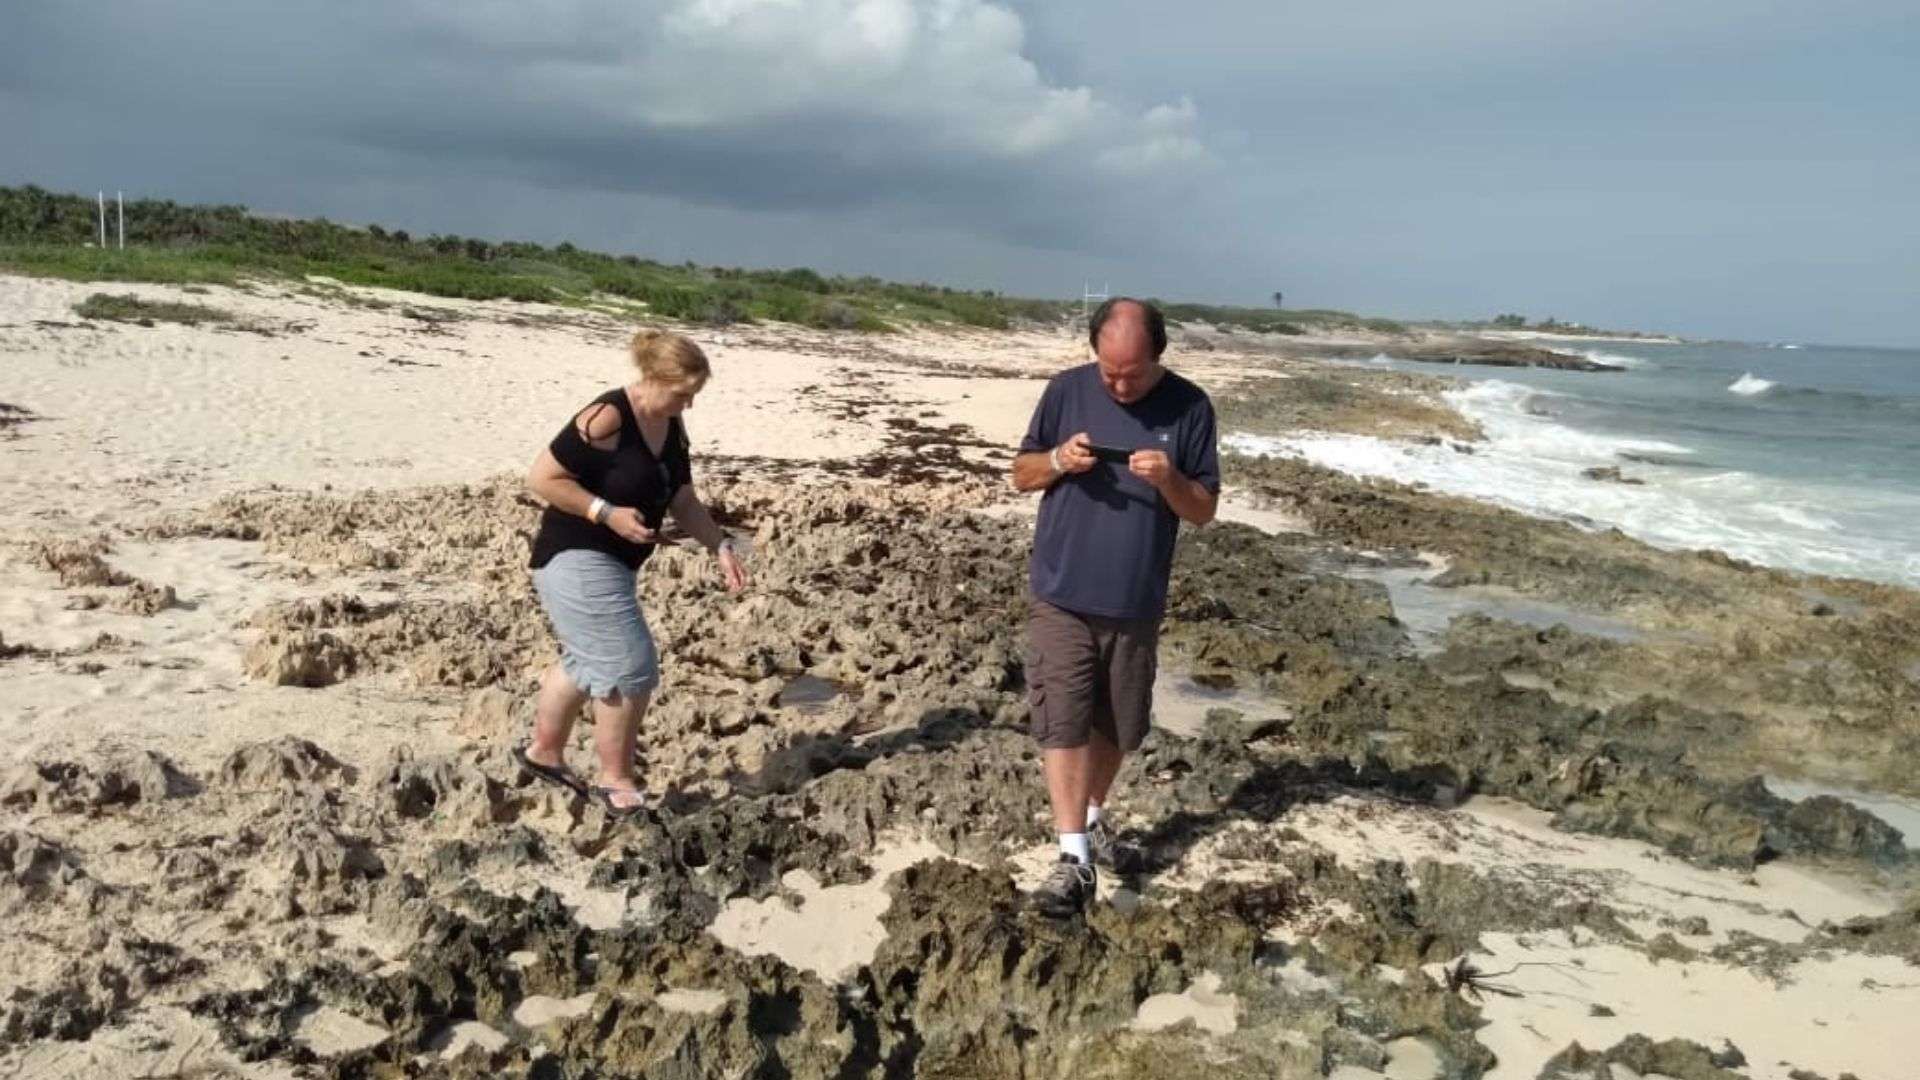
[[733, 570], [627, 523]]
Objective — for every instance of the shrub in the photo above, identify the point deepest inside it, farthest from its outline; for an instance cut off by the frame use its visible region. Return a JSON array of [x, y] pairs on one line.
[[131, 309], [46, 233], [835, 315], [724, 312]]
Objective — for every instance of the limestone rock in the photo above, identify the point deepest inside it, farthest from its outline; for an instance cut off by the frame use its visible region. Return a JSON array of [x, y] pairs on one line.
[[76, 787], [300, 658], [285, 762]]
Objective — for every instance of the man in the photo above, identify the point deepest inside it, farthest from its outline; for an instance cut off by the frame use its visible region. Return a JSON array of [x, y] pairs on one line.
[[1102, 550]]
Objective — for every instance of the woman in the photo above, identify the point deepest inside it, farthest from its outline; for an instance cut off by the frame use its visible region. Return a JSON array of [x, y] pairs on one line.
[[608, 479]]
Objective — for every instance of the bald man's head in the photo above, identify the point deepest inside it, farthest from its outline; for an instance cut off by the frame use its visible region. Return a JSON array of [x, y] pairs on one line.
[[1140, 314], [1128, 337]]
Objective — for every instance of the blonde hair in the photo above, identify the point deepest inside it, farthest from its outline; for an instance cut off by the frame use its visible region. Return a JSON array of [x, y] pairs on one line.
[[668, 358]]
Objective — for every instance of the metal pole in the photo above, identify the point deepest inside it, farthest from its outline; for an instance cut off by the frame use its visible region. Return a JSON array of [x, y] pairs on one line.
[[120, 207], [102, 198]]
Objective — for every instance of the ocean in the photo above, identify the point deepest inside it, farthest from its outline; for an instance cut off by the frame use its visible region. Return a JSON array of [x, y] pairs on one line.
[[1803, 457]]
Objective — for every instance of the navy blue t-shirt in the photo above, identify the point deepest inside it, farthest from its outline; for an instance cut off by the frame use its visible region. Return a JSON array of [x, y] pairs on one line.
[[1104, 541]]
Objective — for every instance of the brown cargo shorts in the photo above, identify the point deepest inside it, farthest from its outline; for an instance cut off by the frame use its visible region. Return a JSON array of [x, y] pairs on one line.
[[1086, 673]]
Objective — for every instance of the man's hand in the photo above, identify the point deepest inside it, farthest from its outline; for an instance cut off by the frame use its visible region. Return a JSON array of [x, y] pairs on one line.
[[1153, 466], [1073, 455], [732, 570], [1189, 500], [627, 523]]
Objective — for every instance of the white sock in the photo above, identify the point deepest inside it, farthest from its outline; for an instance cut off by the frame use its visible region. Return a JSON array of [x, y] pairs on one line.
[[1075, 844], [1093, 815]]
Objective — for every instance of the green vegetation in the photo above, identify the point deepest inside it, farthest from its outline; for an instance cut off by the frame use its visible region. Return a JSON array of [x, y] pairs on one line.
[[1263, 320], [51, 235], [132, 309], [1548, 325]]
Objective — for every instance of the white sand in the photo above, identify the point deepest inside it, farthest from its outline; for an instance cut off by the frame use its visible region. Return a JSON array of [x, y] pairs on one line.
[[470, 1033], [329, 1032], [1776, 901], [696, 1002], [158, 1041], [834, 929], [1831, 1016], [140, 417], [1202, 1003], [539, 1009]]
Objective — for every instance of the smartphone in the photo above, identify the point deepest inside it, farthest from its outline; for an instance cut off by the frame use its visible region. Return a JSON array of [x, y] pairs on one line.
[[1115, 454]]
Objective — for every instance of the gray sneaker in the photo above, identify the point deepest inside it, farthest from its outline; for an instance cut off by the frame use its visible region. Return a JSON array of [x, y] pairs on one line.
[[1068, 890], [1111, 852]]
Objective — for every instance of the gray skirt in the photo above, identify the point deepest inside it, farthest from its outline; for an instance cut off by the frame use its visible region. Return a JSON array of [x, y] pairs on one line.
[[605, 645]]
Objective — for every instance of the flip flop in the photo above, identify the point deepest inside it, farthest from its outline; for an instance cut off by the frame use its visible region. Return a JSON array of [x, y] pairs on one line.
[[552, 774], [614, 809]]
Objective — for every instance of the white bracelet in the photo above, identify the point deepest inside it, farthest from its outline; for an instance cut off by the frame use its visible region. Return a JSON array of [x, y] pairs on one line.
[[725, 544], [1053, 459], [594, 510]]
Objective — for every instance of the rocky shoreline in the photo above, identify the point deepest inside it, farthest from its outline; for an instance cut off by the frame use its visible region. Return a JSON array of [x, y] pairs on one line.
[[1465, 350], [910, 599], [1502, 849], [1426, 346]]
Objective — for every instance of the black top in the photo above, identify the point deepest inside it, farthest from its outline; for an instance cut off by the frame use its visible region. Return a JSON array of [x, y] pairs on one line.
[[627, 475]]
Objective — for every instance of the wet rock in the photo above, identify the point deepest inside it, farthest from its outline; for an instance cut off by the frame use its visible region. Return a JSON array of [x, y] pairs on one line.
[[1894, 934], [517, 849], [1472, 350], [1315, 400], [1667, 947], [1610, 473], [8, 652], [1676, 1058], [1487, 544], [1743, 645], [1826, 824], [300, 658]]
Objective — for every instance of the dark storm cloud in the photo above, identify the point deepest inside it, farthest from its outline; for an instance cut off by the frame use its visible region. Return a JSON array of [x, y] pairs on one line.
[[1716, 167]]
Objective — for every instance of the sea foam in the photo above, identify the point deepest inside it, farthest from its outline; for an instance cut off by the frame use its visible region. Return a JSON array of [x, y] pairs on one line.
[[1531, 463]]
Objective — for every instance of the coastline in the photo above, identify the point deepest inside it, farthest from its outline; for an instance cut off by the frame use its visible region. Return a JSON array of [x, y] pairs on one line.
[[257, 855]]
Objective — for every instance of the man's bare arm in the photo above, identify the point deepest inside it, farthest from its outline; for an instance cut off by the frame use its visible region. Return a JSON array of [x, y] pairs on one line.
[[1190, 500]]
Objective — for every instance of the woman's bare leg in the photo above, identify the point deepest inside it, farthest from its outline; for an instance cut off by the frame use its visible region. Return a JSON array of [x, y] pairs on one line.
[[616, 731], [554, 710]]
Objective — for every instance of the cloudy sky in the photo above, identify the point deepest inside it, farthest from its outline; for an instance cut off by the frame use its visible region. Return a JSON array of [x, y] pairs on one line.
[[1746, 169]]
